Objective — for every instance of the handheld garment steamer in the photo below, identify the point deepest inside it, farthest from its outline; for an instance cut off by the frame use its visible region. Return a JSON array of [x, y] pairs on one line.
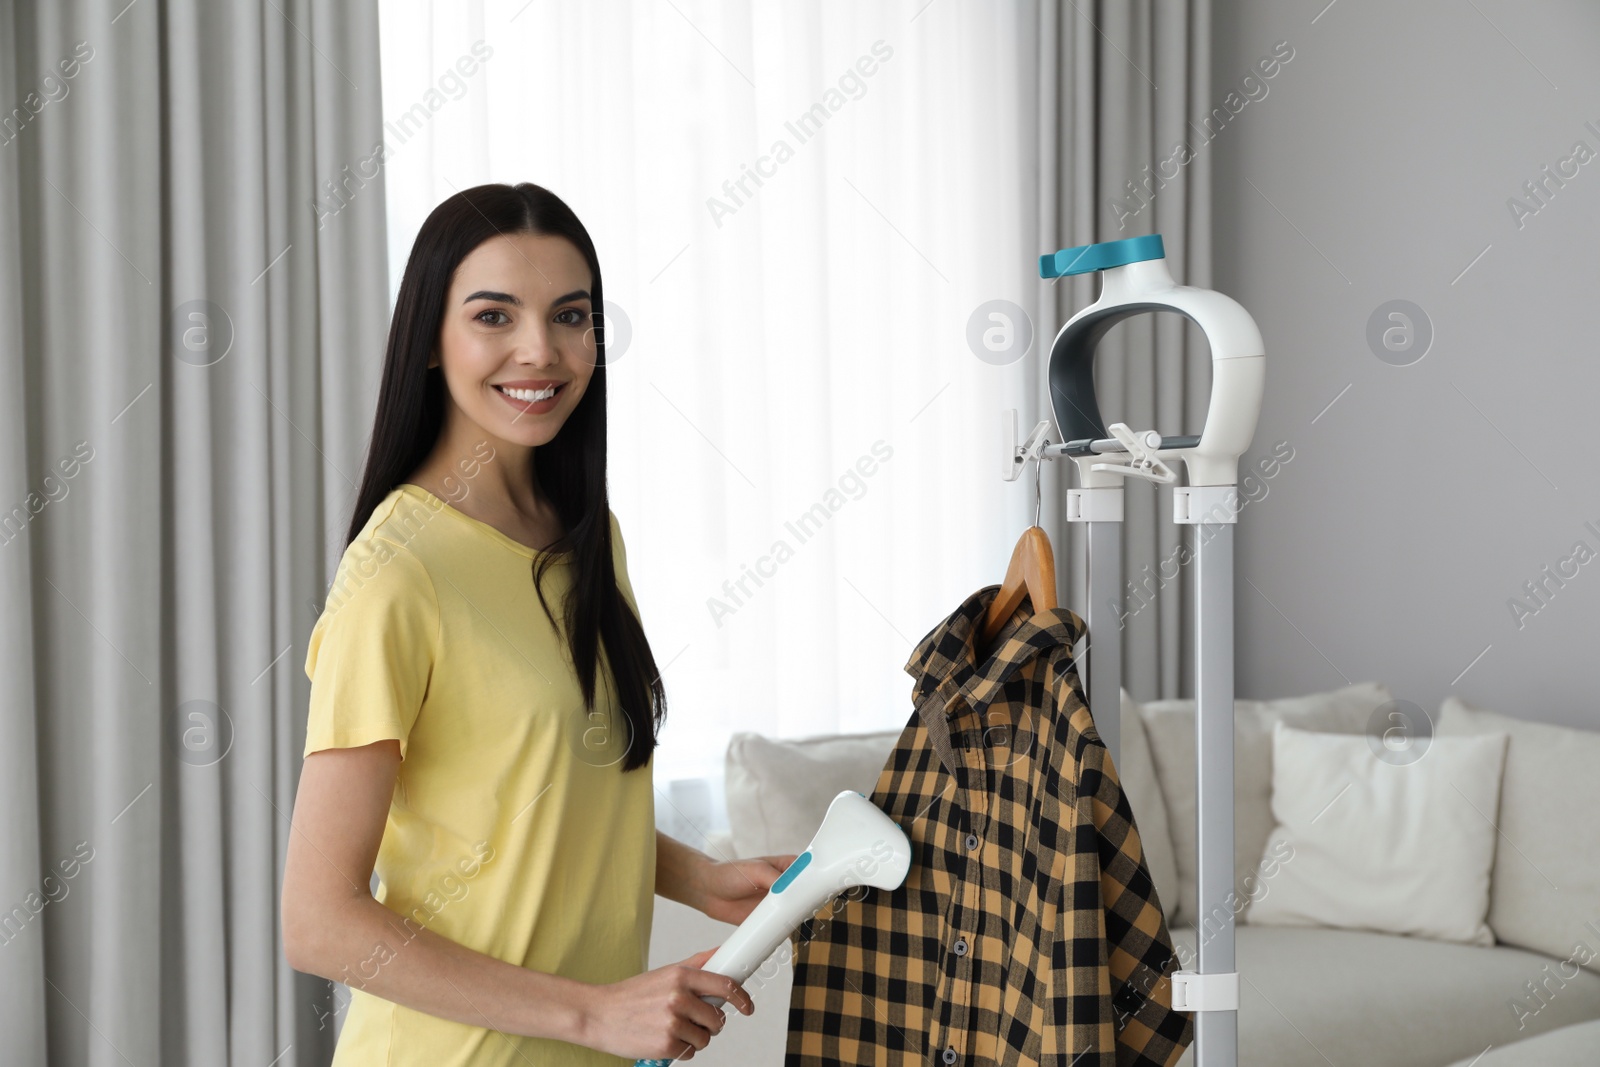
[[857, 844]]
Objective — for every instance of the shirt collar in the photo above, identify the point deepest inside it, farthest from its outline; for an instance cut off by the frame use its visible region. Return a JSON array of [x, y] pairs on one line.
[[947, 659]]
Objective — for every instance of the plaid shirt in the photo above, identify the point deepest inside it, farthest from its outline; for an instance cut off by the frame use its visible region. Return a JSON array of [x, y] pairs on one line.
[[1028, 931]]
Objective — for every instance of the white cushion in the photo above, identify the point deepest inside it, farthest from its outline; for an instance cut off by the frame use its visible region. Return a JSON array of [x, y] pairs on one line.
[[1137, 773], [1366, 844], [1545, 892], [779, 790], [1169, 725], [1575, 1044]]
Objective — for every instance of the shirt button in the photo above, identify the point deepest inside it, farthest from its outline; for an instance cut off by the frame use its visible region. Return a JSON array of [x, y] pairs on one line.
[[972, 842], [961, 946], [949, 1055]]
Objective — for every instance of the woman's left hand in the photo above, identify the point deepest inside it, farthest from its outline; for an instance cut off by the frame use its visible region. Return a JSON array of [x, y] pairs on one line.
[[730, 891]]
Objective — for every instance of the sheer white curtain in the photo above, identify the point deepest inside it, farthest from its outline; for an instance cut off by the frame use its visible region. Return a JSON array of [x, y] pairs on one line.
[[797, 208]]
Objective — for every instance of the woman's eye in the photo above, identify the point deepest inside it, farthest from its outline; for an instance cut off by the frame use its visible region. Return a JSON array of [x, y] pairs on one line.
[[491, 311]]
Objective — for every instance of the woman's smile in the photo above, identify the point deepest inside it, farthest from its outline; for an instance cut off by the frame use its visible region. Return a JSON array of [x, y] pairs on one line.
[[531, 397]]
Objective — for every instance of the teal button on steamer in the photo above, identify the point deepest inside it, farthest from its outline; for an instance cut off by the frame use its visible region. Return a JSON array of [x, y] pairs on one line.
[[857, 844]]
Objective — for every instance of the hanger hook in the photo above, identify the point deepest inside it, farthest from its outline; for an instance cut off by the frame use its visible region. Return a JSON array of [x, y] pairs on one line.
[[1038, 496]]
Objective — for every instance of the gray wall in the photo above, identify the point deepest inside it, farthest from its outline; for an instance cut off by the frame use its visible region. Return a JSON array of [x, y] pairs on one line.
[[1418, 505]]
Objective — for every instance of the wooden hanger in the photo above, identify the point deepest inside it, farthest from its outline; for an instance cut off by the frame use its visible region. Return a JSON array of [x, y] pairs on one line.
[[1032, 573]]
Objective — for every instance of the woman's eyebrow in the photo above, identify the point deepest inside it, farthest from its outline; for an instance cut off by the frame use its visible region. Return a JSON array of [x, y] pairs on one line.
[[489, 294], [507, 298]]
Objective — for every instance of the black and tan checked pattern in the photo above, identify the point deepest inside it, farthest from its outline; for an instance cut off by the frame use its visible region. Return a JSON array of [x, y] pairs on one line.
[[1028, 930]]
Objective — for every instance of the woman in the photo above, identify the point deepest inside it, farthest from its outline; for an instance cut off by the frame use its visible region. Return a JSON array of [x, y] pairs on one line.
[[487, 756]]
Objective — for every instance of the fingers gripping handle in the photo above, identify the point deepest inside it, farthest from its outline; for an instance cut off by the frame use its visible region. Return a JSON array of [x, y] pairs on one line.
[[857, 844]]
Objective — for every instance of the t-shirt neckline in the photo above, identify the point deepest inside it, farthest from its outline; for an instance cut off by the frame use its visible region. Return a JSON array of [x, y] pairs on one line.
[[498, 536]]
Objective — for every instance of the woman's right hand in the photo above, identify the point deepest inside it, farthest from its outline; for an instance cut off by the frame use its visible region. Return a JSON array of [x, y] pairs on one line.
[[659, 1014]]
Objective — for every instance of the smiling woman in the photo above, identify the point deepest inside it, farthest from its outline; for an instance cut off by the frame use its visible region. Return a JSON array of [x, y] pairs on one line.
[[516, 365], [447, 715]]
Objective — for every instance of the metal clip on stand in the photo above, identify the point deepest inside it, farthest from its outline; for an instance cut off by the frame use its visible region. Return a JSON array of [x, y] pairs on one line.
[[1135, 280]]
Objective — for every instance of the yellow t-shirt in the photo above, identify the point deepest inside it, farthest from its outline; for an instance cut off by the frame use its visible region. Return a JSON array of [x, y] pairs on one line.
[[513, 829]]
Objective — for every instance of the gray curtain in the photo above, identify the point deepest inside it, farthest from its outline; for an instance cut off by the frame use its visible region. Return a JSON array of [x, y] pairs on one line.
[[1123, 82], [191, 328]]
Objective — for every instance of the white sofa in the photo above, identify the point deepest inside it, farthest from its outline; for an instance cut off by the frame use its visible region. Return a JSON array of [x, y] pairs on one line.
[[1312, 996]]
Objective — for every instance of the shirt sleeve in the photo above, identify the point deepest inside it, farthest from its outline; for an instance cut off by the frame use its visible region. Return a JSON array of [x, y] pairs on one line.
[[372, 649], [1142, 956]]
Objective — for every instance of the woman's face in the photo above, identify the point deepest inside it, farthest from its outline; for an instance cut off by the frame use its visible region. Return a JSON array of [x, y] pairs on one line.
[[517, 323]]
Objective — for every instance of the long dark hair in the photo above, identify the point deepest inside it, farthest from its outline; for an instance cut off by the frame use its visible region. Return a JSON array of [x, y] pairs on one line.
[[570, 469]]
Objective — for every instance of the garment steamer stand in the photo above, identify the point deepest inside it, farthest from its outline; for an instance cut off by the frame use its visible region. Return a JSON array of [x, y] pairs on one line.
[[1136, 280]]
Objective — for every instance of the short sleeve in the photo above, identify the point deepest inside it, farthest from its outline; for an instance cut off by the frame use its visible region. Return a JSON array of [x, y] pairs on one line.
[[371, 651]]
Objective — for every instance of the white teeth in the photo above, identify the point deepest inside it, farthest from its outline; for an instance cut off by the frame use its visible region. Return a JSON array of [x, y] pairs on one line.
[[528, 394]]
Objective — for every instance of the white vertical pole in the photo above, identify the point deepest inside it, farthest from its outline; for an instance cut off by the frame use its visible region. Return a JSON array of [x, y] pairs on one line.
[[1216, 1031], [1105, 633]]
